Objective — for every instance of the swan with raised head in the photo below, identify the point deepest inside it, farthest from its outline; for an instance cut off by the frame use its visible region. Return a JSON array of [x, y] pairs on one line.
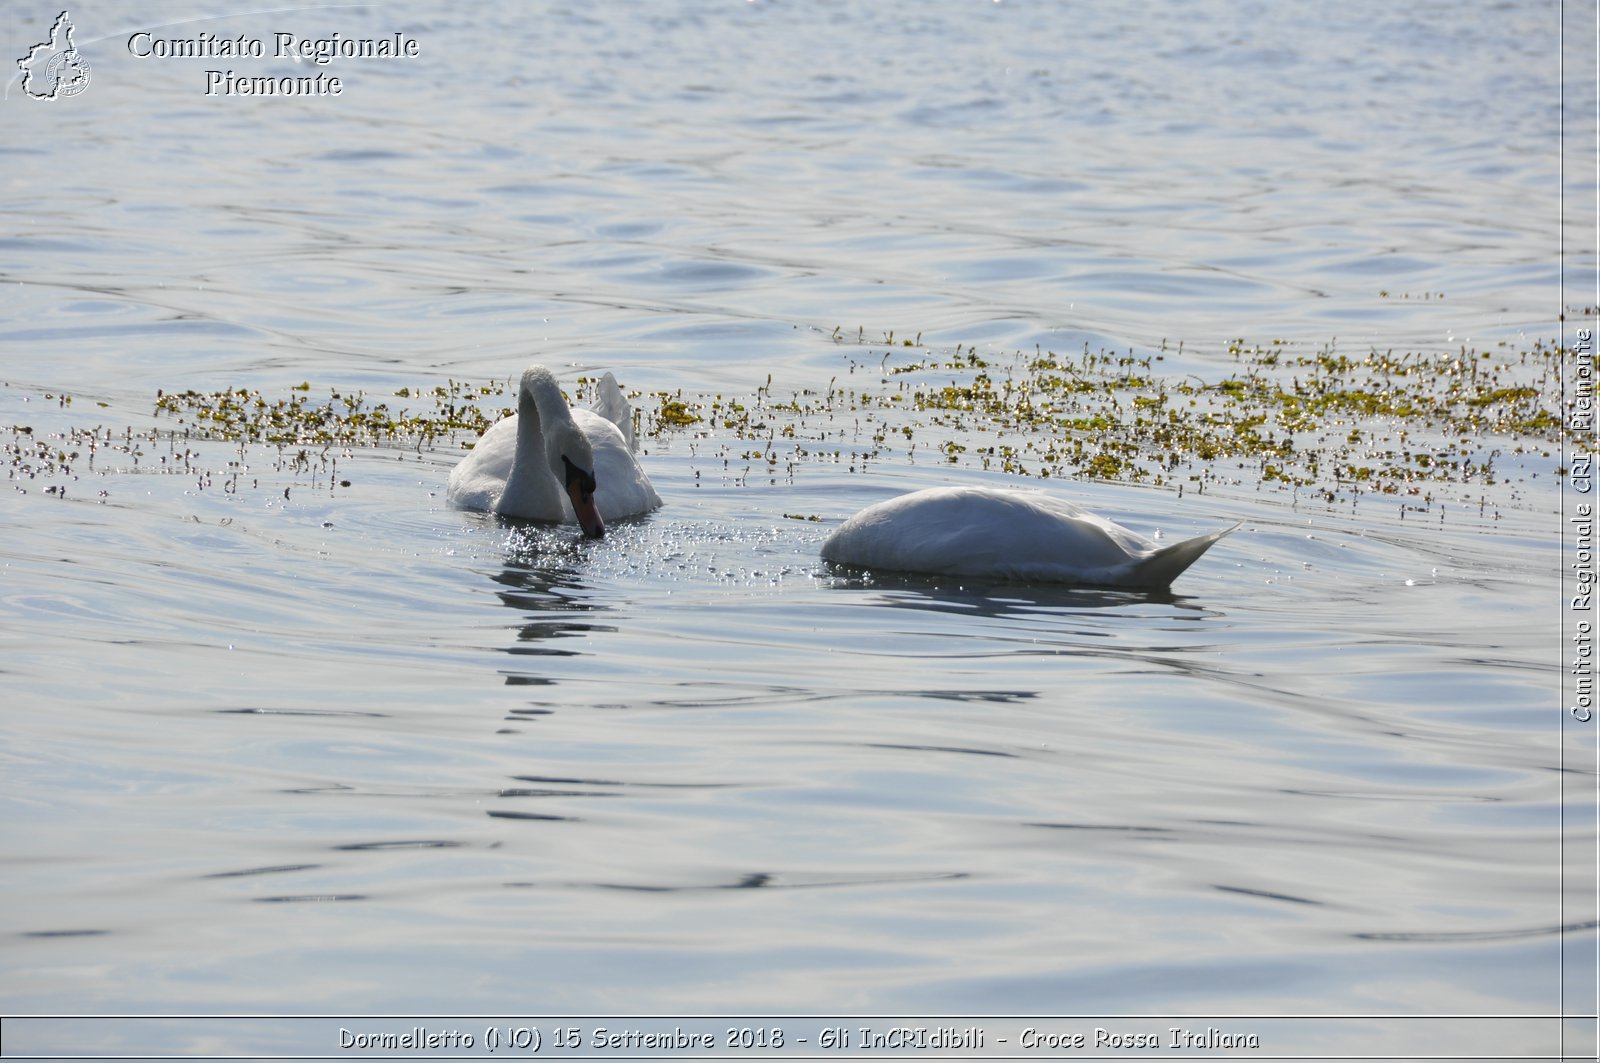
[[549, 461], [1010, 535]]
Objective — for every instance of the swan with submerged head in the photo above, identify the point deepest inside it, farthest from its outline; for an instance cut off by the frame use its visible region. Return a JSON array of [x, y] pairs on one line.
[[1010, 535], [549, 461]]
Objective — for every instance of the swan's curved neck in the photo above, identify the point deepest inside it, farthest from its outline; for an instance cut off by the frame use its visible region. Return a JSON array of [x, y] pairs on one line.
[[530, 426], [541, 395], [540, 410]]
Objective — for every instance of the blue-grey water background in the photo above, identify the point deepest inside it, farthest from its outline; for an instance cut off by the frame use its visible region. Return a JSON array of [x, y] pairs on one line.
[[290, 740]]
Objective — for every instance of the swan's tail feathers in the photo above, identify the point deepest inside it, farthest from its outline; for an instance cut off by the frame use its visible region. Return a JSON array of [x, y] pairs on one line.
[[1157, 571], [612, 404]]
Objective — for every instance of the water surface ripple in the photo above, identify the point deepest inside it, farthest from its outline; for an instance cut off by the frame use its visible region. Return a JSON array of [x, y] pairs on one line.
[[280, 738]]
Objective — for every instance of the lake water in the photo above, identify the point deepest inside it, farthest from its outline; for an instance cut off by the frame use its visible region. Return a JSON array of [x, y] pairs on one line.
[[289, 736]]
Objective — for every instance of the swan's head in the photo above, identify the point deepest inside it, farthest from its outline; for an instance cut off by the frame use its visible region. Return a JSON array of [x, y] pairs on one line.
[[579, 482], [571, 461]]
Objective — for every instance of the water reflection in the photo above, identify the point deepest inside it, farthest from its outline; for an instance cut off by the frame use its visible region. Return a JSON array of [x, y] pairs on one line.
[[542, 575], [996, 598], [768, 880], [1138, 632]]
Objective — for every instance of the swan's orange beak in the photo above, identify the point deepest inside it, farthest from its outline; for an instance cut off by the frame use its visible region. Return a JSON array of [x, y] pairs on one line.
[[588, 514]]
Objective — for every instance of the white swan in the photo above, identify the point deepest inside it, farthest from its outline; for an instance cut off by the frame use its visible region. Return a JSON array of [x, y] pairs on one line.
[[550, 462], [1007, 534]]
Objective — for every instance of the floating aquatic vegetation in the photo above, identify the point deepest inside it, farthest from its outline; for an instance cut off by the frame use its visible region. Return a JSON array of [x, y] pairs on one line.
[[1269, 413], [340, 419], [1321, 419]]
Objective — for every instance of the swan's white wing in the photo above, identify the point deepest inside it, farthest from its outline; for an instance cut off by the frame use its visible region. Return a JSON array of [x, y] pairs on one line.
[[478, 478], [621, 487], [612, 404]]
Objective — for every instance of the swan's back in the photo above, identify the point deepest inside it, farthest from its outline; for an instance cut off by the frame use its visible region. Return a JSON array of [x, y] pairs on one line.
[[1015, 535]]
